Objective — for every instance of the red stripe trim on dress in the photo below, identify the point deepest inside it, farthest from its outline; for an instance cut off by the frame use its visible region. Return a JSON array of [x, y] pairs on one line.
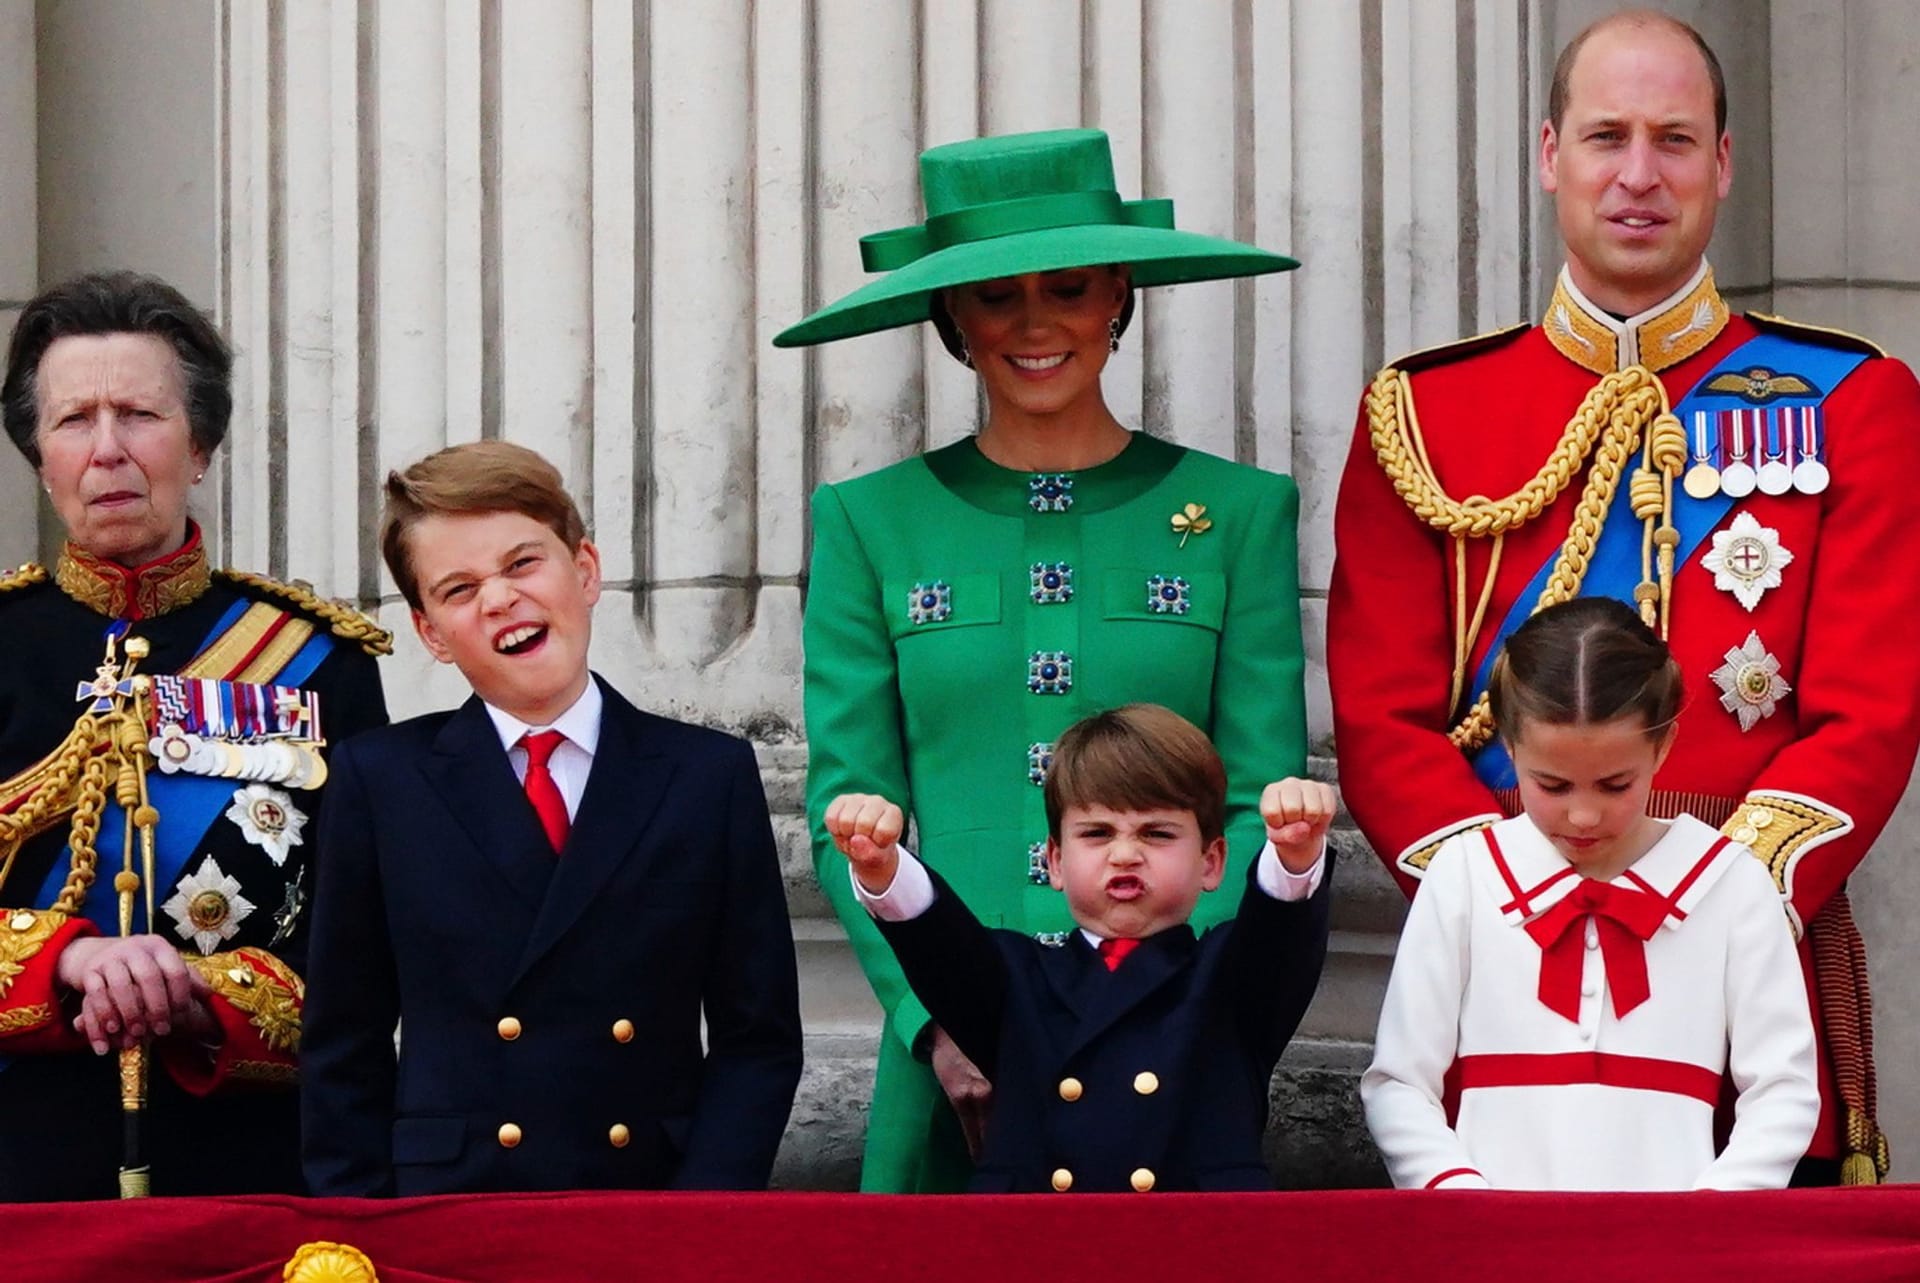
[[1693, 874], [1450, 1173], [1567, 872], [1506, 874], [1601, 1068]]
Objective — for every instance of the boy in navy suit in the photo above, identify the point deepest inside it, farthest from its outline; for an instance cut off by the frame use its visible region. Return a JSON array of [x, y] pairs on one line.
[[547, 889], [1147, 1075]]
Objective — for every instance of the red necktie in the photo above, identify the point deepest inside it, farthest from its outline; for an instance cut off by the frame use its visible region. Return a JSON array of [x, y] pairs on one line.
[[1622, 919], [541, 790], [1114, 952]]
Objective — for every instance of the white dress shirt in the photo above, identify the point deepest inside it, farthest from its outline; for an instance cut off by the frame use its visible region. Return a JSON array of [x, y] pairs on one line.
[[573, 759]]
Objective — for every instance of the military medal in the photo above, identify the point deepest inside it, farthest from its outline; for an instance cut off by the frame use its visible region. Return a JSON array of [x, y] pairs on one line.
[[207, 907], [1750, 683], [269, 819], [1747, 559], [1810, 474], [1703, 479], [1736, 479], [1775, 476]]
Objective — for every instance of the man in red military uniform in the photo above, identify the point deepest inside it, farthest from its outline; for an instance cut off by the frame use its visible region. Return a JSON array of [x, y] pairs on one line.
[[1741, 479]]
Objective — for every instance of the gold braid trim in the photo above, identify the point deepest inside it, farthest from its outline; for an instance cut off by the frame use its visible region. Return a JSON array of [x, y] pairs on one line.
[[1414, 862], [1608, 426], [271, 1002], [264, 1071], [45, 789], [1778, 829], [19, 1019], [26, 577], [22, 935], [343, 620]]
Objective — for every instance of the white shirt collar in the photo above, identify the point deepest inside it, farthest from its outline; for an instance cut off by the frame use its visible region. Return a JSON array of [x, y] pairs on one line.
[[580, 723]]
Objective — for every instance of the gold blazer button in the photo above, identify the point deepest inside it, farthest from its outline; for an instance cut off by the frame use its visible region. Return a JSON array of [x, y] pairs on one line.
[[509, 1135], [509, 1028], [1142, 1179], [618, 1135], [1070, 1089], [623, 1030], [1062, 1179], [1146, 1082]]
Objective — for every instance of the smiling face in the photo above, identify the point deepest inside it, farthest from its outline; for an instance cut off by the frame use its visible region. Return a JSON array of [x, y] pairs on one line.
[[1635, 165], [1129, 874], [503, 600], [1040, 341], [1585, 787], [116, 452]]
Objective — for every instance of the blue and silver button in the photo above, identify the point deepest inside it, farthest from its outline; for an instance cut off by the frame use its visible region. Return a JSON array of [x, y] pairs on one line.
[[1050, 672], [1168, 595], [1052, 583], [1039, 759], [1050, 492], [930, 603]]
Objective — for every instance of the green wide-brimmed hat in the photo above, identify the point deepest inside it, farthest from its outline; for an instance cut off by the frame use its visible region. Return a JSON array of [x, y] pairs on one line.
[[1021, 203]]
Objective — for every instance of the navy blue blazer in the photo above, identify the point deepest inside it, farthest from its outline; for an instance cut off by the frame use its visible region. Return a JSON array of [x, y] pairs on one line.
[[549, 1007], [1154, 1075]]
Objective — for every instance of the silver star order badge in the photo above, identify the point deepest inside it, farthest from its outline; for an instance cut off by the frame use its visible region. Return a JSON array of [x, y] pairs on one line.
[[207, 907], [1747, 559], [269, 819], [1750, 682]]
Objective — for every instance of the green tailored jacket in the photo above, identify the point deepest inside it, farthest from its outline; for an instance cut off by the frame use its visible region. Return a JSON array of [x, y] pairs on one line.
[[960, 615]]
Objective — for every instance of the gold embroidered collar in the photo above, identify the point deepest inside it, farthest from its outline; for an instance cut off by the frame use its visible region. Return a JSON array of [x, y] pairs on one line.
[[111, 589], [1664, 335]]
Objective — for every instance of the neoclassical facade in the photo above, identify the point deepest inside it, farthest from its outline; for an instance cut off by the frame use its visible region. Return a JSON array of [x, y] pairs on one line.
[[577, 223]]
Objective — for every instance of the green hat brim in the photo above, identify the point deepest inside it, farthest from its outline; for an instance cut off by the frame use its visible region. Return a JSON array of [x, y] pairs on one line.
[[1156, 255]]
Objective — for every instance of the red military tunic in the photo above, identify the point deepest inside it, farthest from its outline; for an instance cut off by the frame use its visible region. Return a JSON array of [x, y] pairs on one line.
[[1807, 778]]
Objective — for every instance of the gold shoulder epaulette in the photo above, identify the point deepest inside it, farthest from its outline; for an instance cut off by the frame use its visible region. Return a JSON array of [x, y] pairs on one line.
[[1821, 334], [341, 619], [1427, 357], [25, 577]]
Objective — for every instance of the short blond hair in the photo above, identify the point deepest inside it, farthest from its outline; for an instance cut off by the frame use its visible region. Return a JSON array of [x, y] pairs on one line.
[[1138, 757], [479, 476]]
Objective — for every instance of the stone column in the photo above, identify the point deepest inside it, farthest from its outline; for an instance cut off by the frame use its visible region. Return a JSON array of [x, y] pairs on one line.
[[19, 256], [1846, 253]]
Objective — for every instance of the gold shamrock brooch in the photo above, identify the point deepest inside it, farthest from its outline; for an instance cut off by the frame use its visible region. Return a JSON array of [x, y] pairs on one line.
[[1191, 520]]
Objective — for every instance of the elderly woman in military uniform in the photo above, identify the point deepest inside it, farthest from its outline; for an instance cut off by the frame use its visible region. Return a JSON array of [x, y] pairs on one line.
[[162, 742], [967, 604]]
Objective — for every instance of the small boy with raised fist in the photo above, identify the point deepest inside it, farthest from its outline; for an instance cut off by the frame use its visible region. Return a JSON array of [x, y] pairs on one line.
[[1132, 1054]]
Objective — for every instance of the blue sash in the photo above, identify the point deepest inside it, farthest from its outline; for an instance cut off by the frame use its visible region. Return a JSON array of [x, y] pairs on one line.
[[1615, 568]]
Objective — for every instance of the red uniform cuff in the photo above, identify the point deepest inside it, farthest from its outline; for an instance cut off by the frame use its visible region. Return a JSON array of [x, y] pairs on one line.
[[257, 999], [32, 1021]]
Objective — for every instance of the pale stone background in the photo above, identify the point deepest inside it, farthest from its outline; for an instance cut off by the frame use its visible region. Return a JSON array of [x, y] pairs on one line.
[[577, 223]]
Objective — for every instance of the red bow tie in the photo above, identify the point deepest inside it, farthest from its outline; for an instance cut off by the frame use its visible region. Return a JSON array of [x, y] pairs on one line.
[[1624, 920]]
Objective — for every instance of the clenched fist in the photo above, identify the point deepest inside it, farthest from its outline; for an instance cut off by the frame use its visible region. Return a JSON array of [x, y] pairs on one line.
[[866, 828], [1298, 814]]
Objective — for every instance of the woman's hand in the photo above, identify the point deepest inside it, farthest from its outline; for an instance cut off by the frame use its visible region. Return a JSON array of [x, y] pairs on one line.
[[133, 987], [968, 1090], [866, 828], [1298, 814]]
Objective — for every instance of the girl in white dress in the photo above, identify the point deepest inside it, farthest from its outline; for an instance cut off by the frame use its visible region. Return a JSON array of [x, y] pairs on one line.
[[1582, 975]]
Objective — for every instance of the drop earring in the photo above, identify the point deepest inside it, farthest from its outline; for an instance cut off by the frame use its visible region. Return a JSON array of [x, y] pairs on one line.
[[1113, 335]]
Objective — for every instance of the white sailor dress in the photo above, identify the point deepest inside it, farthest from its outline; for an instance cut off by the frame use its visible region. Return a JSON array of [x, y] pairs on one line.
[[1588, 1026]]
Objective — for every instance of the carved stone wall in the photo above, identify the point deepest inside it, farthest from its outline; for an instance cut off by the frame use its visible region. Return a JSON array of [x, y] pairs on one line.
[[577, 224]]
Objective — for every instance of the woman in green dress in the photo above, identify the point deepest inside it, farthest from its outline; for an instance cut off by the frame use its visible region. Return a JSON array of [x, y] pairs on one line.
[[967, 604]]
